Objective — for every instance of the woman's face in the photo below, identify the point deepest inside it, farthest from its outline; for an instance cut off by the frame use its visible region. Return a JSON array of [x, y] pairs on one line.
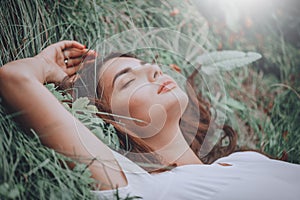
[[140, 90]]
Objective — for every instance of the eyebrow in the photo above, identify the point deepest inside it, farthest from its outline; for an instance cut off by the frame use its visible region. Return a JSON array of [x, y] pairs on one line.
[[123, 71]]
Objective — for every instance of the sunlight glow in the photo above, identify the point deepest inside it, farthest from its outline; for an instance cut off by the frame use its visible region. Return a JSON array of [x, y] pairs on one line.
[[234, 9]]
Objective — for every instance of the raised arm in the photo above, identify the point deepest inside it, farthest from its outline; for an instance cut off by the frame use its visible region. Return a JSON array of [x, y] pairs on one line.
[[21, 86]]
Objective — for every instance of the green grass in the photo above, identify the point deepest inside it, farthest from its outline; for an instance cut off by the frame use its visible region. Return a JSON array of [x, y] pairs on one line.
[[30, 170], [264, 98]]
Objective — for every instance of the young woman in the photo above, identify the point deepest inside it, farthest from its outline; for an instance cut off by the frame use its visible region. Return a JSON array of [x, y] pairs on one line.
[[170, 165]]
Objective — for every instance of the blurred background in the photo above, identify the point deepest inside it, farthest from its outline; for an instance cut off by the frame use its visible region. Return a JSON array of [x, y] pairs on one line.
[[270, 88]]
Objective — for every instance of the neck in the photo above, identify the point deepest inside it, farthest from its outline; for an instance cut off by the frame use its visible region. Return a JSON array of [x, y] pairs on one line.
[[171, 145]]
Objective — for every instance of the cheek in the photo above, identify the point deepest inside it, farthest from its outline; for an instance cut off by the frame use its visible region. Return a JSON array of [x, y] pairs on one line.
[[139, 105], [132, 103], [140, 101], [146, 105]]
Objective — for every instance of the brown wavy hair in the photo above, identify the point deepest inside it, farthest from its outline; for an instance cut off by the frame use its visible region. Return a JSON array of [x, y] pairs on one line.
[[143, 154]]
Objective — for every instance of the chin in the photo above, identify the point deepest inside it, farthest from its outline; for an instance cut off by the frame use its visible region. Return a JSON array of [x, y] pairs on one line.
[[177, 105]]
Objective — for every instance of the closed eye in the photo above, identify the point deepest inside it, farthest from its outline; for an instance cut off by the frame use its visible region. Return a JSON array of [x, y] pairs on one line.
[[127, 83]]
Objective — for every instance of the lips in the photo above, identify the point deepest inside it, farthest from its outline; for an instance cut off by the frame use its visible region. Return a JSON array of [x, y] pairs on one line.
[[166, 86]]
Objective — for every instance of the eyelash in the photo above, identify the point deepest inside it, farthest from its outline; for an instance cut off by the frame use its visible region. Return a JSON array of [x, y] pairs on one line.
[[127, 84]]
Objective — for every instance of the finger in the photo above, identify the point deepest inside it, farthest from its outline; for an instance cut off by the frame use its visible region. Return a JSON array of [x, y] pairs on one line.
[[65, 44], [74, 53], [73, 62], [91, 55], [82, 54], [73, 70]]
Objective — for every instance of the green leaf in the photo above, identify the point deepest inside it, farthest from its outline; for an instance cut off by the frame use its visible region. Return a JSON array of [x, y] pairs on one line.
[[97, 120], [225, 60], [92, 108], [98, 132], [80, 103]]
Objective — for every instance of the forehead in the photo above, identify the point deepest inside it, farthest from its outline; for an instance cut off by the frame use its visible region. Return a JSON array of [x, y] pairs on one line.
[[113, 66]]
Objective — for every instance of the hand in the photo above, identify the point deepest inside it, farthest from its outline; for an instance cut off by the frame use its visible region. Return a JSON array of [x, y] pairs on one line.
[[64, 59]]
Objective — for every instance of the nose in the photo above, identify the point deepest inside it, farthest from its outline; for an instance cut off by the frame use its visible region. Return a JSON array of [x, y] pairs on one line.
[[153, 72], [150, 71]]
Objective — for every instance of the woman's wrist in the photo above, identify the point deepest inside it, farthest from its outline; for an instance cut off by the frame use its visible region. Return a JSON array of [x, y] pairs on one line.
[[50, 72], [33, 68]]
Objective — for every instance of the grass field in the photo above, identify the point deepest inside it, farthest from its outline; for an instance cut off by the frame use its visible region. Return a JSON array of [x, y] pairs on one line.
[[263, 99]]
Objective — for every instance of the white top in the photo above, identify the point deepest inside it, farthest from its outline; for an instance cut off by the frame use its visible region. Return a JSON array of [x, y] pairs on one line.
[[250, 175]]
